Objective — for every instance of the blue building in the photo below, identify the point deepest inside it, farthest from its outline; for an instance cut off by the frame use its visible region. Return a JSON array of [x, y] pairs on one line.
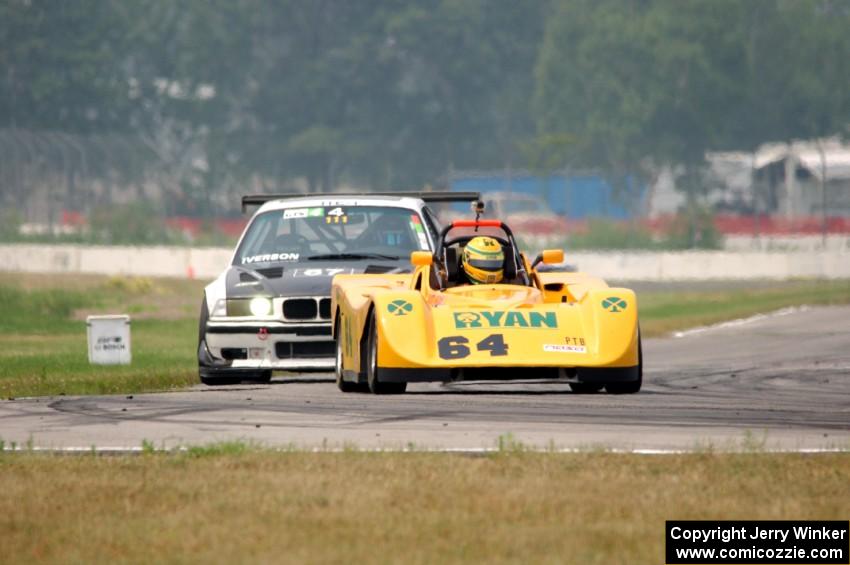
[[574, 196]]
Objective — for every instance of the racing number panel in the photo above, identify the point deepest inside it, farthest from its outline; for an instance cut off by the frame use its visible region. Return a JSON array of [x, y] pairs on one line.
[[456, 346]]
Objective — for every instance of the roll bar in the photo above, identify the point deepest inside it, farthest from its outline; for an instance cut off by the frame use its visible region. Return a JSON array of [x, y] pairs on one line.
[[520, 268]]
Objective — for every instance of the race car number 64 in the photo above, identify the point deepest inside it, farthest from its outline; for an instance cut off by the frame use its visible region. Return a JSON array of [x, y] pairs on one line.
[[455, 346]]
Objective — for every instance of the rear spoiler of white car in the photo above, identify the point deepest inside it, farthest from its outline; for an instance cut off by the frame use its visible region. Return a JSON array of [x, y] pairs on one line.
[[260, 199]]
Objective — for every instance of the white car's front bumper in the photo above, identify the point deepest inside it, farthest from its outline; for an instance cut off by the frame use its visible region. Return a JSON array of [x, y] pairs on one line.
[[271, 345]]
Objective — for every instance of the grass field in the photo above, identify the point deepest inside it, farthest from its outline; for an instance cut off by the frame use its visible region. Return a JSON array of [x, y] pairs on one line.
[[43, 332], [663, 312], [231, 505], [43, 347]]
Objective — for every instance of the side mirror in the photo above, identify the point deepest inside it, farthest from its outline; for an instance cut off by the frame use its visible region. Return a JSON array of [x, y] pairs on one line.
[[553, 256], [421, 258], [549, 257]]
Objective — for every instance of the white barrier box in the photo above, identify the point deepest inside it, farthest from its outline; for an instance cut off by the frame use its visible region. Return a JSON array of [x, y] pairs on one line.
[[109, 340]]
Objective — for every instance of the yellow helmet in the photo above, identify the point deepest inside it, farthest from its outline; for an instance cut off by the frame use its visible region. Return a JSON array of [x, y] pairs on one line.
[[483, 260]]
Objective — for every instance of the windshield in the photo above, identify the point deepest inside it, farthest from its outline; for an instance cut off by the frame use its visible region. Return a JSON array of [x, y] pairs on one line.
[[332, 233]]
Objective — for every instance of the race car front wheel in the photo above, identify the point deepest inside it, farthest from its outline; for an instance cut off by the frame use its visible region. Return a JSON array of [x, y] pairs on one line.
[[373, 372], [341, 383], [633, 386], [625, 380]]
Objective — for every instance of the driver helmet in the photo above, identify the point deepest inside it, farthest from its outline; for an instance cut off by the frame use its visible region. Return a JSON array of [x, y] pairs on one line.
[[483, 260]]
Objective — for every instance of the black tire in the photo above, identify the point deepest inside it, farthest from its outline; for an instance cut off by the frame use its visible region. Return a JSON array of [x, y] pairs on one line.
[[209, 377], [262, 377], [341, 383], [629, 387], [585, 388], [373, 372], [202, 320], [204, 370], [219, 381]]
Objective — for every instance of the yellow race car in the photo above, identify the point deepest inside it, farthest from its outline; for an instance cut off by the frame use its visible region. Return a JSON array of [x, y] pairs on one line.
[[431, 326]]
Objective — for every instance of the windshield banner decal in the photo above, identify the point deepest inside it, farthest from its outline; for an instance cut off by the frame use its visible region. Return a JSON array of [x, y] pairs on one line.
[[294, 213], [270, 257]]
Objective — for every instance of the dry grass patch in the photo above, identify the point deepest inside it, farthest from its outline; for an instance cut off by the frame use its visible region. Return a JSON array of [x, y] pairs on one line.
[[254, 506]]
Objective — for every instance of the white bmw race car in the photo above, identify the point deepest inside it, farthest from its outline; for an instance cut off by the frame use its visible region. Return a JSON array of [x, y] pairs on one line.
[[271, 308]]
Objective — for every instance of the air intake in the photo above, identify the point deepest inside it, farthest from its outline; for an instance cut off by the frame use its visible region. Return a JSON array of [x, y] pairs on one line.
[[379, 269], [300, 309], [271, 272], [304, 349], [325, 308]]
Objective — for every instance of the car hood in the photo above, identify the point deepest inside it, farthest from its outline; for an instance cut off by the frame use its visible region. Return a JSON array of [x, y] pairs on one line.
[[300, 279]]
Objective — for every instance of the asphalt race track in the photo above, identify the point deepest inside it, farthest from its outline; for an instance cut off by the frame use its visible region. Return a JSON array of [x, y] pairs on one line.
[[781, 382]]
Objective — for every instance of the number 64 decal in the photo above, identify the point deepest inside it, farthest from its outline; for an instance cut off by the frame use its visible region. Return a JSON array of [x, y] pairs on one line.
[[455, 346]]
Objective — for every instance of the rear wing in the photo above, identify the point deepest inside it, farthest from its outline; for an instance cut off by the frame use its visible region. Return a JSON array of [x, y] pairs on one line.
[[260, 199]]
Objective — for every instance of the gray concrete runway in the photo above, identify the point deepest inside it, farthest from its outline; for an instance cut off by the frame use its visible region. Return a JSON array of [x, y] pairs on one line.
[[782, 382]]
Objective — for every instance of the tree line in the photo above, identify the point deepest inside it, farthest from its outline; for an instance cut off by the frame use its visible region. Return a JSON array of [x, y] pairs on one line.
[[390, 94]]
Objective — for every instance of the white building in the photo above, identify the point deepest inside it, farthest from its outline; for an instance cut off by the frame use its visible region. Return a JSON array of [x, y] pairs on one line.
[[796, 179]]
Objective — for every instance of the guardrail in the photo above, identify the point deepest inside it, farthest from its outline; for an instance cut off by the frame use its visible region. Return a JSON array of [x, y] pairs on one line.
[[207, 263], [160, 261]]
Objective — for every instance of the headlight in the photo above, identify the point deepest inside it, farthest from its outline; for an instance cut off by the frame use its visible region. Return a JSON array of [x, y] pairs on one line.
[[260, 306]]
